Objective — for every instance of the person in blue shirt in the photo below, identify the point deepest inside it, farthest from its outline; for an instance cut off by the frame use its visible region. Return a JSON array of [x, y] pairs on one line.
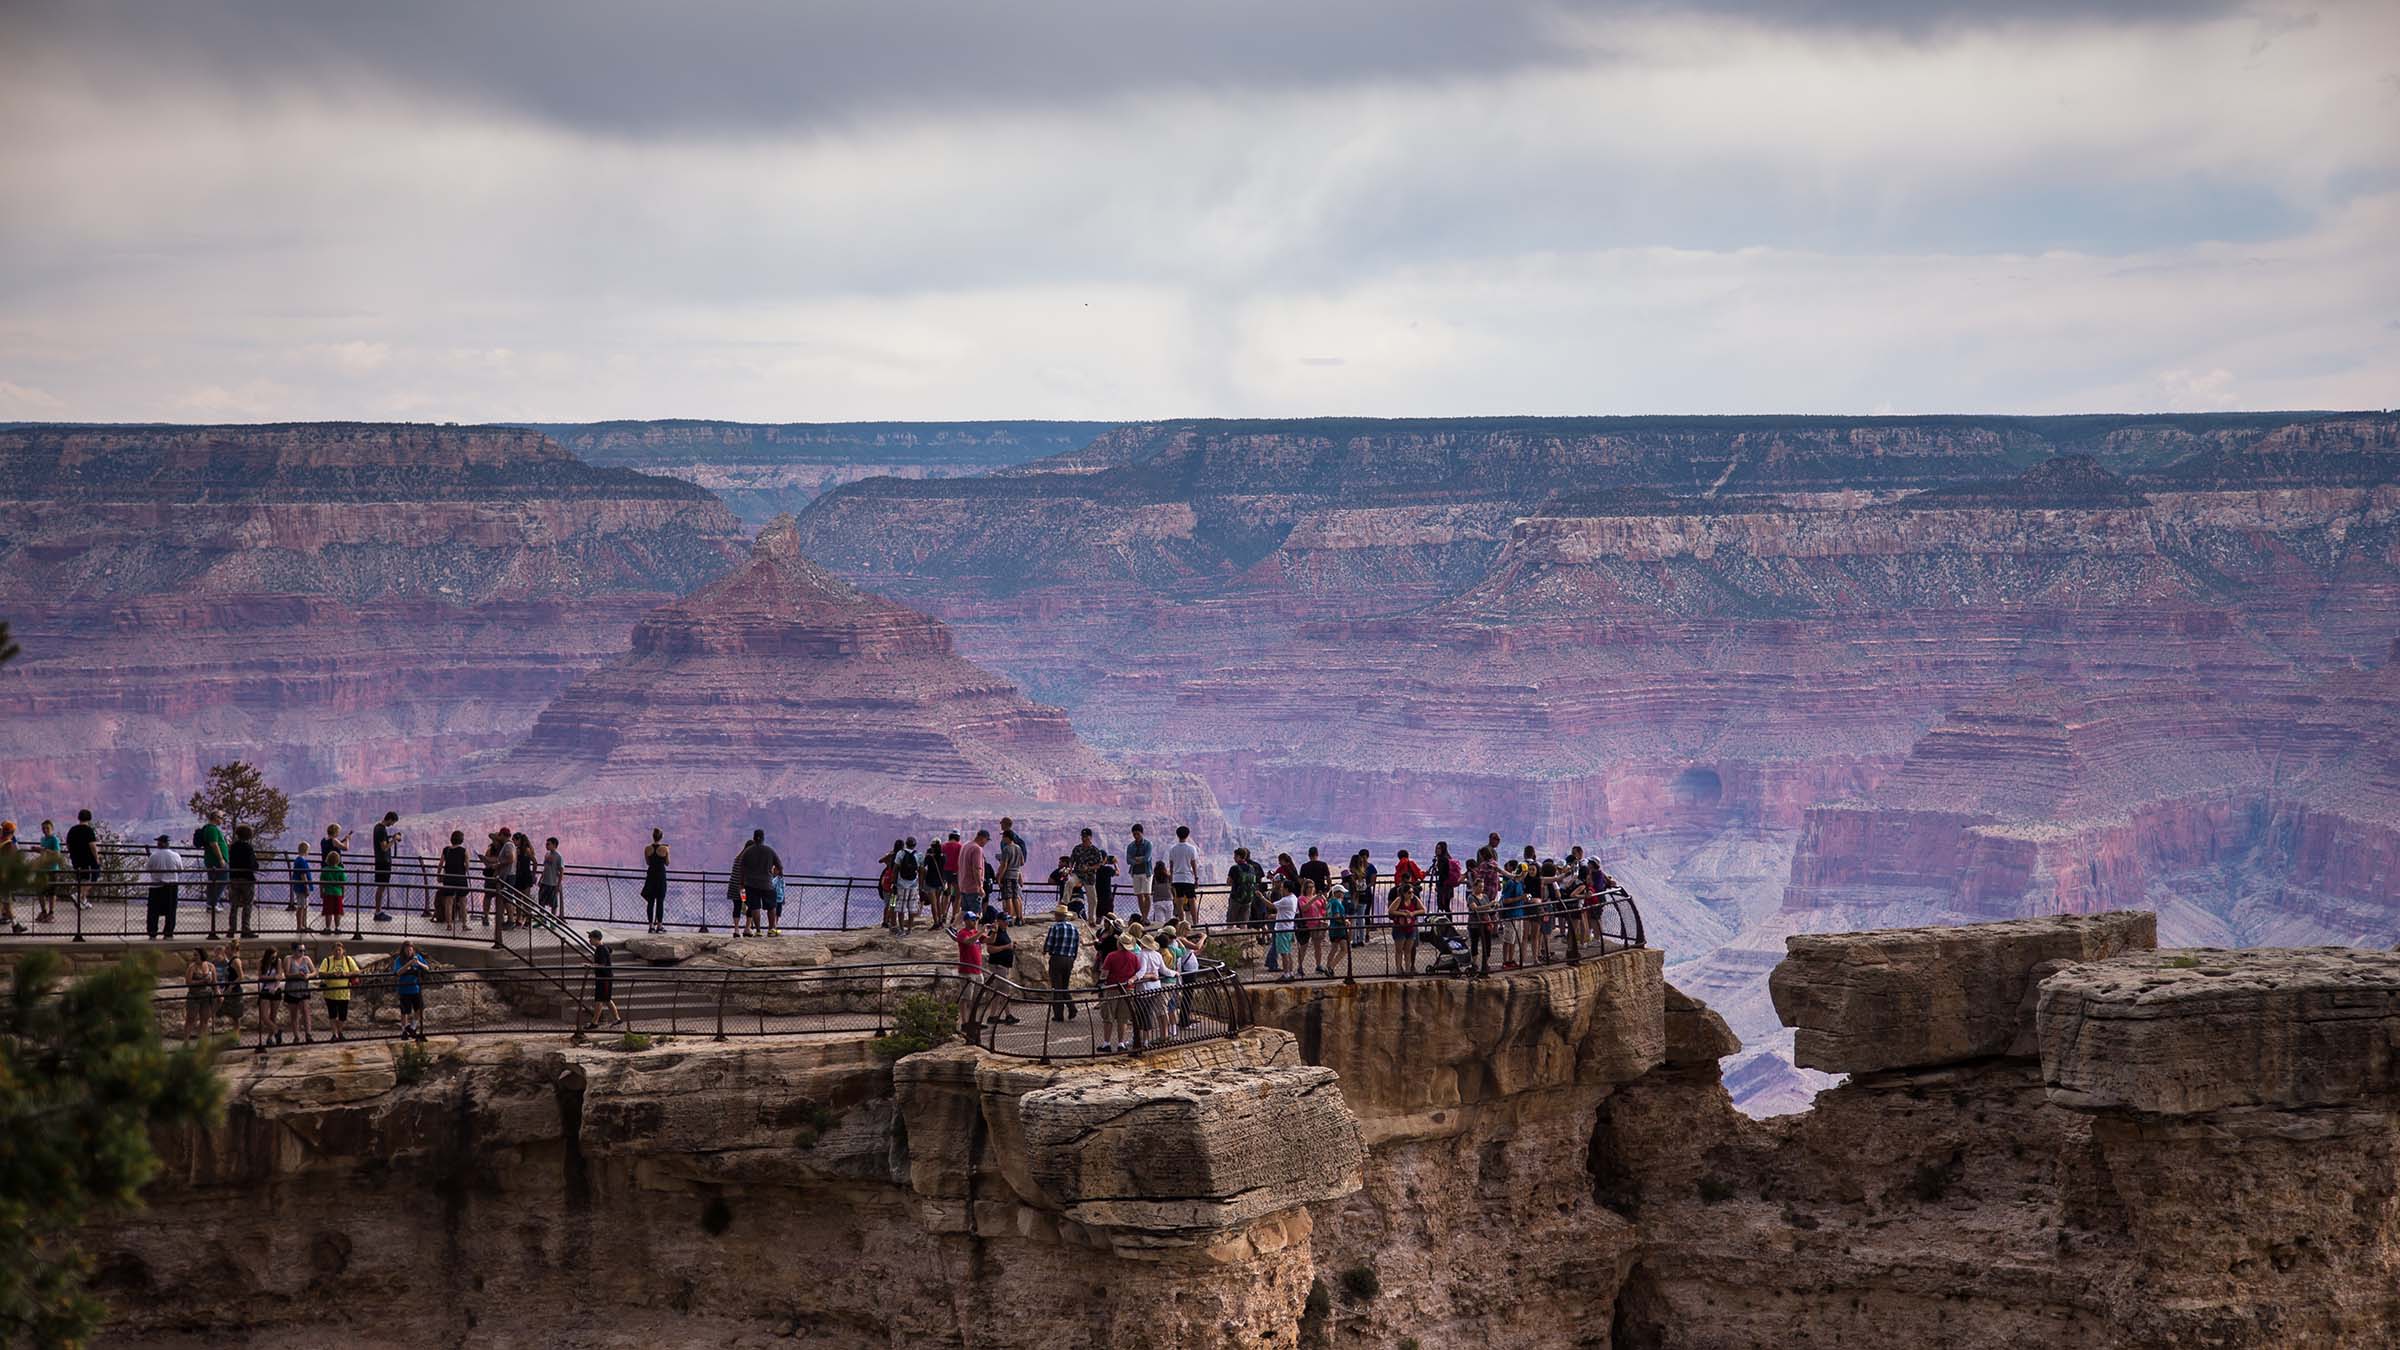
[[409, 969]]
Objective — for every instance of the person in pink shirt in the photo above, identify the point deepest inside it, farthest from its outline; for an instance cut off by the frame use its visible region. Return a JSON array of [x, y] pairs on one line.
[[970, 873]]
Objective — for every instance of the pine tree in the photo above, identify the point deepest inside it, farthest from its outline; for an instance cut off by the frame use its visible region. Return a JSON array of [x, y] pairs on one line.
[[240, 796]]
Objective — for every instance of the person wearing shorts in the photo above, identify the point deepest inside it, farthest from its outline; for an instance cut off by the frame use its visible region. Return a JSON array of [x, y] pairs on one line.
[[335, 973], [408, 983]]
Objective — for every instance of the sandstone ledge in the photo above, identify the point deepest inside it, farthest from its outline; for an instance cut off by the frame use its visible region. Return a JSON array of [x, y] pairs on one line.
[[1902, 998], [2180, 1033]]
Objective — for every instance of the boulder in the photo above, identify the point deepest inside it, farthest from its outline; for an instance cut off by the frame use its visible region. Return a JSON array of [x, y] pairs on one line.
[[1696, 1033], [1175, 1157], [2180, 1033], [1902, 998]]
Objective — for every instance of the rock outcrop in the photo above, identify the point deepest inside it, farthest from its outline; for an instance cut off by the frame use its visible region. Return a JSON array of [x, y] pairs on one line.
[[1910, 998], [538, 1195], [1595, 1188], [2184, 1033]]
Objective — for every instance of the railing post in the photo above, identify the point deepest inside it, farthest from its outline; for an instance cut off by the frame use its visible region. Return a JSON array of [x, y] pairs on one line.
[[724, 987]]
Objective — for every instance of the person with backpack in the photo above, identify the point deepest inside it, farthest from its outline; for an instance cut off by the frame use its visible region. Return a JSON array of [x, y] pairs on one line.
[[1246, 889], [907, 886], [934, 882], [208, 842]]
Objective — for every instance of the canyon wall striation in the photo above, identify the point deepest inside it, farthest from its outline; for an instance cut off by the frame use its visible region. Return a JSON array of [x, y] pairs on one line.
[[335, 602]]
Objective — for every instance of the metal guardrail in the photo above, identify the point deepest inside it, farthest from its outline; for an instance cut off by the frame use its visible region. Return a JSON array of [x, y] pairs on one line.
[[992, 1010], [413, 899]]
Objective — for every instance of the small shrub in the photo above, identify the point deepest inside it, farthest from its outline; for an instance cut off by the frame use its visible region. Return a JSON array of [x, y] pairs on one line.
[[1360, 1283], [412, 1064], [922, 1023], [633, 1040], [2184, 962], [1224, 951], [1715, 1190]]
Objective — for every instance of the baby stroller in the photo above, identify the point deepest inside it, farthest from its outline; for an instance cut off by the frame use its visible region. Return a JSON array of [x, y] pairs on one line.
[[1449, 949]]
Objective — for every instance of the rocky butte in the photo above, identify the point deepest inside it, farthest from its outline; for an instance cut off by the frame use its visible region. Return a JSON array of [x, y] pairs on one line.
[[1789, 674], [781, 697], [336, 602], [2052, 1134]]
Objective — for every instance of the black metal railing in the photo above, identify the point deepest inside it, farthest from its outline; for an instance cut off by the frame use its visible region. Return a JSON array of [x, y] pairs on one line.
[[413, 899], [990, 1009]]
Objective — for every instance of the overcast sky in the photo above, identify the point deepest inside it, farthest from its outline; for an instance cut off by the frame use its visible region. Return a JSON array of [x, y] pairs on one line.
[[456, 210]]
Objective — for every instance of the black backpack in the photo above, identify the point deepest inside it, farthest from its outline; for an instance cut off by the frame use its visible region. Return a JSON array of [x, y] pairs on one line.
[[904, 865]]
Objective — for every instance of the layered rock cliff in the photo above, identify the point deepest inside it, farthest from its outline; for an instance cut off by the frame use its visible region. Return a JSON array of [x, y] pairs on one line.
[[332, 601], [2052, 1136]]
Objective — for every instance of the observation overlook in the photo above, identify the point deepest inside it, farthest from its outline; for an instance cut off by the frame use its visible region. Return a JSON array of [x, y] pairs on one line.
[[2036, 1116]]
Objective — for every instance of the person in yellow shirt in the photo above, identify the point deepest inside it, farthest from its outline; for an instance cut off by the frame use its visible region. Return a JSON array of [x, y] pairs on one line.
[[335, 973]]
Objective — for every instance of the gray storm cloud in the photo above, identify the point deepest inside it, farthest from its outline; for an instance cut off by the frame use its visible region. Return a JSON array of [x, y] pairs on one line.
[[637, 66]]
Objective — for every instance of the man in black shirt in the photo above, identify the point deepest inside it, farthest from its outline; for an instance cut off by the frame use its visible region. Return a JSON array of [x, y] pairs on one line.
[[244, 876], [387, 842], [1317, 870], [604, 984], [83, 853], [755, 869]]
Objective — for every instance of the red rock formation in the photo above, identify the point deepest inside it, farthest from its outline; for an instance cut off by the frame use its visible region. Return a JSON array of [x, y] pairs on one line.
[[781, 697], [335, 602]]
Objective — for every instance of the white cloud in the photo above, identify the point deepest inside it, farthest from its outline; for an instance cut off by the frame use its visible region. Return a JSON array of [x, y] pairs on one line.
[[23, 402]]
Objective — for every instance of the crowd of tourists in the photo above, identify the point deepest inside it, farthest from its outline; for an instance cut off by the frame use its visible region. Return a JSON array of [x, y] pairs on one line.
[[285, 985], [234, 876]]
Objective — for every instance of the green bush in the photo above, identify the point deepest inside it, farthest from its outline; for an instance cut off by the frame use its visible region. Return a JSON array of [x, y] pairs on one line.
[[412, 1064], [633, 1040], [1225, 952], [922, 1023], [2184, 962], [1360, 1283]]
